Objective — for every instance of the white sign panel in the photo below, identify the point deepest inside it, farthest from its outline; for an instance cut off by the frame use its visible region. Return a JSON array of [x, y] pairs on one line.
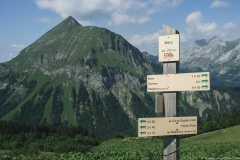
[[199, 81], [169, 48], [166, 126]]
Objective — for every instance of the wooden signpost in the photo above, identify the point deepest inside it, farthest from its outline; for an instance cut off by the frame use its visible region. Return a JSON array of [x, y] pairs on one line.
[[171, 143], [170, 83]]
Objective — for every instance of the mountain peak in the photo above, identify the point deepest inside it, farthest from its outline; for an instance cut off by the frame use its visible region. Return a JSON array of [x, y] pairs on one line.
[[201, 42], [204, 42], [70, 21], [215, 38], [68, 25]]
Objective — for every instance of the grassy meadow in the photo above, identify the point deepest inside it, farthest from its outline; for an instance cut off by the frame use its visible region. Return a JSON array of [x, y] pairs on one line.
[[224, 143]]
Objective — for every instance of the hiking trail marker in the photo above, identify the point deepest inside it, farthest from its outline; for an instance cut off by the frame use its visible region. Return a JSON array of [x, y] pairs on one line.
[[167, 126], [169, 48], [170, 83], [199, 81]]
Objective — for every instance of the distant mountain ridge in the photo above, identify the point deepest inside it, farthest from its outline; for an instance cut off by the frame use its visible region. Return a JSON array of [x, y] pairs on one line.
[[218, 56]]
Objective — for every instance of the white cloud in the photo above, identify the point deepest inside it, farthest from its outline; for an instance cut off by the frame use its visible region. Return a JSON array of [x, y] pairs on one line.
[[194, 17], [4, 57], [128, 11], [10, 55], [229, 31], [85, 9], [195, 21], [84, 23], [10, 52], [230, 26], [17, 46], [166, 3], [159, 5], [217, 4], [44, 20], [196, 27], [76, 8], [146, 42], [120, 19], [14, 49]]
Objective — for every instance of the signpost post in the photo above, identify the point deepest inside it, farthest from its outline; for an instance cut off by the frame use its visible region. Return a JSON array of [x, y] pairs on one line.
[[171, 143], [170, 83]]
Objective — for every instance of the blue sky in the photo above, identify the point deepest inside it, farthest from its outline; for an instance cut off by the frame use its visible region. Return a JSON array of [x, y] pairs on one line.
[[139, 21]]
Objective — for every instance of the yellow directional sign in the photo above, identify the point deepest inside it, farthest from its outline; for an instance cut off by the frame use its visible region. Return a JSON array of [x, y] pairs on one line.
[[166, 126], [199, 81]]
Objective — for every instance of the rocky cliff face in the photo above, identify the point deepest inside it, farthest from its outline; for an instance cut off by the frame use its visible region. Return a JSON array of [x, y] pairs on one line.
[[213, 102]]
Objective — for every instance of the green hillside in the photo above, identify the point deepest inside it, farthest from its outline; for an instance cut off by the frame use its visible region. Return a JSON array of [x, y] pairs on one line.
[[217, 144], [226, 135], [220, 144]]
